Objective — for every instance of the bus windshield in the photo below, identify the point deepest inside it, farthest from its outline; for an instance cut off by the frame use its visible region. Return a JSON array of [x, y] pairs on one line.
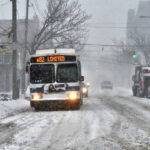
[[67, 73], [42, 73]]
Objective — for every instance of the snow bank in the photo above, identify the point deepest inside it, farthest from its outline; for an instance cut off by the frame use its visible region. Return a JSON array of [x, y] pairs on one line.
[[8, 108]]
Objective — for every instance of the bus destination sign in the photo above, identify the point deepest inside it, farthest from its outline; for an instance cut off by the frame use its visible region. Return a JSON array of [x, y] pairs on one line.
[[47, 59]]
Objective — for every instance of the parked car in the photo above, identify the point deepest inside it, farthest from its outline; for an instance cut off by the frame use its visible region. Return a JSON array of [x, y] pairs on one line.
[[4, 97], [106, 85]]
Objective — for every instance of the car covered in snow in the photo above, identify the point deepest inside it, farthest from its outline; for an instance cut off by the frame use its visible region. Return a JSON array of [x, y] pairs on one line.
[[106, 85]]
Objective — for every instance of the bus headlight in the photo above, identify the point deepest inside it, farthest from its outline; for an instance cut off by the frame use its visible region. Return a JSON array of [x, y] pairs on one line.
[[36, 97], [84, 90], [73, 95]]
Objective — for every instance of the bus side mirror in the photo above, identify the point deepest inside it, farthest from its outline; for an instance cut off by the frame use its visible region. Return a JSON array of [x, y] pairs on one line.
[[27, 67], [133, 78], [82, 78]]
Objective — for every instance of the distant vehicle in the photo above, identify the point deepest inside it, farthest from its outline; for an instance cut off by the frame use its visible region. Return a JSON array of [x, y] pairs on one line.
[[141, 81], [4, 97], [87, 84], [55, 79], [106, 85], [85, 89]]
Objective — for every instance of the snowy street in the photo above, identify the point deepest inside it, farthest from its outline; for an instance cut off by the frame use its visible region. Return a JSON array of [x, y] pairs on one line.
[[75, 75], [108, 120]]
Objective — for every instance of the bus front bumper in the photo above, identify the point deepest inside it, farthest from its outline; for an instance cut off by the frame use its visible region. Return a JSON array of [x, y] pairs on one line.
[[55, 104]]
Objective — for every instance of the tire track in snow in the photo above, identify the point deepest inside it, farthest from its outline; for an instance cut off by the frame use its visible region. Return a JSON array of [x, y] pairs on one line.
[[21, 126], [78, 128], [135, 120]]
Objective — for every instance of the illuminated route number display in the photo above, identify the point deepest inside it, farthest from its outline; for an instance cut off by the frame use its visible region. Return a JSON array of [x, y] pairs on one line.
[[46, 59]]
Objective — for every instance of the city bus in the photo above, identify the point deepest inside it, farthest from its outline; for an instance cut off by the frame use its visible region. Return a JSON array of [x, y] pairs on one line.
[[55, 79]]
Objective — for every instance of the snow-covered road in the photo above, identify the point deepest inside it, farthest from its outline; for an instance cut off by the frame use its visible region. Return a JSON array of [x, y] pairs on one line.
[[106, 121]]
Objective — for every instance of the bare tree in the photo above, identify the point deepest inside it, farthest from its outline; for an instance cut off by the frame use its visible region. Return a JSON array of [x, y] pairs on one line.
[[141, 43], [122, 52], [5, 33], [64, 24]]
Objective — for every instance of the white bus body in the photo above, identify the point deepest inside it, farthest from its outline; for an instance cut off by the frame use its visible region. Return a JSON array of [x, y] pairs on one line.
[[55, 79]]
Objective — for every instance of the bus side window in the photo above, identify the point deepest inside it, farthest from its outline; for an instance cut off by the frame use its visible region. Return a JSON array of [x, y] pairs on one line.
[[27, 67]]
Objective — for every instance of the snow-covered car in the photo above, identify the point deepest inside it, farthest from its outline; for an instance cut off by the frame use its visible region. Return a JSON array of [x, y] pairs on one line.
[[106, 85], [4, 97]]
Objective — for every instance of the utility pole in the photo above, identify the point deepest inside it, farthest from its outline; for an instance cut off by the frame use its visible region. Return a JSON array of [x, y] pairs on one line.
[[14, 57], [26, 46]]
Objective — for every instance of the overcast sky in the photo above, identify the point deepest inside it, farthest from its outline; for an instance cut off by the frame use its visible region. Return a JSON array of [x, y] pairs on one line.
[[106, 16]]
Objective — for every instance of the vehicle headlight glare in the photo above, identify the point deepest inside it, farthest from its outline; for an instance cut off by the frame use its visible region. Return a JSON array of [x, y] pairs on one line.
[[73, 95], [36, 97], [84, 90]]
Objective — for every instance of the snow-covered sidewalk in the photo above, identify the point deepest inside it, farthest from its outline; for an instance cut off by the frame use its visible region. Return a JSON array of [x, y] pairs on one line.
[[8, 108]]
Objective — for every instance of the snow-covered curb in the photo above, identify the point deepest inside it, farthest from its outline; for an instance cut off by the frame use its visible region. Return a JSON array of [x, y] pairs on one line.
[[8, 108]]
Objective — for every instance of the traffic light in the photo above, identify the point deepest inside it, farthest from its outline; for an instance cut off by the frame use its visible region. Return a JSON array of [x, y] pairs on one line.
[[133, 54]]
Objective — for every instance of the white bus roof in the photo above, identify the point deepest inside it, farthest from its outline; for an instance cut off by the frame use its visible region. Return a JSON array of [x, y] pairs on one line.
[[55, 51]]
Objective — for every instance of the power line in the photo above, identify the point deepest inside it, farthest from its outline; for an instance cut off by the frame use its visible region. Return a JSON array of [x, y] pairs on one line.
[[117, 27], [106, 61], [97, 22], [106, 23], [112, 45]]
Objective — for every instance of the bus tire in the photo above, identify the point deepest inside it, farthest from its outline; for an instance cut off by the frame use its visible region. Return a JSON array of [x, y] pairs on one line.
[[37, 108], [31, 103]]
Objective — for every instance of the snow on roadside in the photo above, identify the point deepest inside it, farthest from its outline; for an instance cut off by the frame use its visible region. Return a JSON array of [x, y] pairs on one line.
[[117, 91], [126, 93], [8, 108]]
